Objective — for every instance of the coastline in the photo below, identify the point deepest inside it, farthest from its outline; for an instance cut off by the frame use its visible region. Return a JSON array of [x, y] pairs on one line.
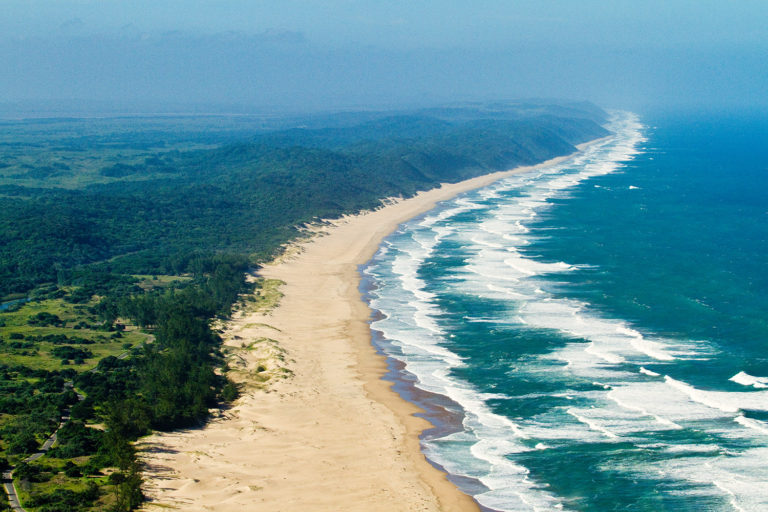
[[334, 436]]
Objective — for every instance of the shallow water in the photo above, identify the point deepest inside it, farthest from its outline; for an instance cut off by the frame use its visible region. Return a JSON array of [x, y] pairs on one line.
[[599, 326]]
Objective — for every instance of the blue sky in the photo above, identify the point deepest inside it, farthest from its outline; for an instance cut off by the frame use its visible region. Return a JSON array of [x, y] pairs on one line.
[[329, 54]]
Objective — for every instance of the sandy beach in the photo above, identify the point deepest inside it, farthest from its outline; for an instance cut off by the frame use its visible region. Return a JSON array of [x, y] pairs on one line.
[[325, 432]]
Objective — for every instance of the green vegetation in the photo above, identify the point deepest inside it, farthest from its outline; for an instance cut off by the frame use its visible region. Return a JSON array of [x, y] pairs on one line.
[[31, 405], [26, 340], [5, 506], [266, 295], [124, 239], [245, 197], [169, 380]]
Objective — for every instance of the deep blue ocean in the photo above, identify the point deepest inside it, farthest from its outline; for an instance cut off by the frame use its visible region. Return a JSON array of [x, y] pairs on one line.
[[594, 336]]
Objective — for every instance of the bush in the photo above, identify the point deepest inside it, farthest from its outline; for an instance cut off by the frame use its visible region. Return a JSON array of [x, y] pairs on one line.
[[75, 439], [65, 500], [229, 392], [82, 410], [73, 472], [23, 442], [79, 295], [93, 466], [32, 473], [44, 319], [69, 352]]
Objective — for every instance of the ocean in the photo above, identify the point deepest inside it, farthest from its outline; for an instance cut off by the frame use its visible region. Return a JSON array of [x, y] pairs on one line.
[[592, 336]]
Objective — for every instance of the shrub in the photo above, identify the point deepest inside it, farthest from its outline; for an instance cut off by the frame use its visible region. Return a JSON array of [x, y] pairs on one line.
[[73, 472], [79, 295], [75, 439], [32, 473], [44, 318], [229, 392], [23, 442], [65, 500], [82, 410], [69, 352]]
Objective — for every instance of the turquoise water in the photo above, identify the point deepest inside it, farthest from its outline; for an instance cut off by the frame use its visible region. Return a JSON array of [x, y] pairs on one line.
[[599, 327], [12, 304]]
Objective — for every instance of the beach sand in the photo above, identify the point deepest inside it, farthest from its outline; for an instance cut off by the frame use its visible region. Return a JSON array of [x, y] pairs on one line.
[[331, 436]]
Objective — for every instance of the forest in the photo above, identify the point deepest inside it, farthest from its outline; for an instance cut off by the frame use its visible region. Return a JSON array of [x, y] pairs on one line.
[[123, 238]]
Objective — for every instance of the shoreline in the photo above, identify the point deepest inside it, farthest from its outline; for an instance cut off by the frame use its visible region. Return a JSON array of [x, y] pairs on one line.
[[335, 435]]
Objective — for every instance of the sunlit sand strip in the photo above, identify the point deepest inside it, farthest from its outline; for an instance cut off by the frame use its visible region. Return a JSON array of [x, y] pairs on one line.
[[324, 432]]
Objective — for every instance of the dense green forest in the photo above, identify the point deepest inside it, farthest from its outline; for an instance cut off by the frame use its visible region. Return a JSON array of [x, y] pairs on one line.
[[121, 239]]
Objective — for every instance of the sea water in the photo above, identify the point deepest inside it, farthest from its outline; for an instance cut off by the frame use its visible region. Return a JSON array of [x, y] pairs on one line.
[[597, 330]]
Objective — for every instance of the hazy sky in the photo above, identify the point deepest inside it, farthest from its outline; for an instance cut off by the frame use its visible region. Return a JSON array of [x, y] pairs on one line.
[[343, 53]]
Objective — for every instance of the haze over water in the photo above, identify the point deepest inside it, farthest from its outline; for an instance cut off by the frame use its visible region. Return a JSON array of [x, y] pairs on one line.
[[239, 56], [600, 324]]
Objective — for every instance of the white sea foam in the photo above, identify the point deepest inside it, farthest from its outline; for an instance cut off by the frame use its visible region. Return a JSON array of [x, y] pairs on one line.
[[611, 341], [757, 425], [691, 448], [746, 379], [725, 401], [651, 373], [591, 423], [509, 293], [741, 479], [628, 400], [733, 498], [480, 241], [530, 267]]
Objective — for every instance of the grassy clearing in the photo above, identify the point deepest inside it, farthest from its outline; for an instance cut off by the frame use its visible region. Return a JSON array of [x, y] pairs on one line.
[[59, 307], [151, 282], [52, 165], [22, 343], [40, 357], [265, 297], [59, 481]]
